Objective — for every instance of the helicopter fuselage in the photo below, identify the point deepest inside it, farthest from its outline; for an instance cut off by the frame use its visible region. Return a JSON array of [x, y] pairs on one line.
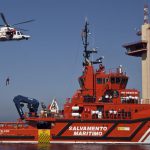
[[8, 34]]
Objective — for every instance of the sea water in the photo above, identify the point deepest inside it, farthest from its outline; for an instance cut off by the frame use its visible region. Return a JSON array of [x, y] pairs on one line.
[[73, 147]]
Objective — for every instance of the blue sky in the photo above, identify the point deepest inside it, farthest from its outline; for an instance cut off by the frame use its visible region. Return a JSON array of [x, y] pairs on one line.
[[48, 64]]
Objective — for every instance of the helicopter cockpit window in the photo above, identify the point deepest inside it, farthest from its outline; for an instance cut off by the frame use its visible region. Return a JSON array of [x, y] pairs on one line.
[[18, 33]]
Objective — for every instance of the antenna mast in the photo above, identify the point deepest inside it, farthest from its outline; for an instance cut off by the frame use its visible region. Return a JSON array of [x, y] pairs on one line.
[[146, 14], [86, 54], [85, 33]]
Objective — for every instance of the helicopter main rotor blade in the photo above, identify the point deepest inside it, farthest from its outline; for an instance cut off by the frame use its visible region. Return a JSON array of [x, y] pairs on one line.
[[21, 29], [3, 18], [24, 22]]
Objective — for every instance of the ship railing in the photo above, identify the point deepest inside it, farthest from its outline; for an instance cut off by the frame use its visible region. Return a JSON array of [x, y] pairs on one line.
[[118, 70], [56, 115], [110, 114]]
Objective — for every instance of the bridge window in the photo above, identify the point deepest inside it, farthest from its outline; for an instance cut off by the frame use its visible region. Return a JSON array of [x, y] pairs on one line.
[[106, 80], [124, 81], [81, 82], [99, 80], [112, 80], [118, 80], [102, 80]]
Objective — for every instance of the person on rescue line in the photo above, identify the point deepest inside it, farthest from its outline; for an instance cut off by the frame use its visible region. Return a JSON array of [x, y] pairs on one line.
[[7, 81]]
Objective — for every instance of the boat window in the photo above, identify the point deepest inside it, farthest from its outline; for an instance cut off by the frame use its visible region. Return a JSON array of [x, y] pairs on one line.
[[102, 80], [100, 108], [106, 80], [124, 80], [118, 80], [99, 80], [18, 33], [89, 99], [81, 82], [112, 80]]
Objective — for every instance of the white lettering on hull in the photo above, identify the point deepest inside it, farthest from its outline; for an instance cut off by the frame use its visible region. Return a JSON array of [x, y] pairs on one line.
[[84, 133], [88, 130]]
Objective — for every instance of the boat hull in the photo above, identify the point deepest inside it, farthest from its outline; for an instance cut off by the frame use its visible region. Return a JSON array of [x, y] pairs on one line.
[[79, 131]]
